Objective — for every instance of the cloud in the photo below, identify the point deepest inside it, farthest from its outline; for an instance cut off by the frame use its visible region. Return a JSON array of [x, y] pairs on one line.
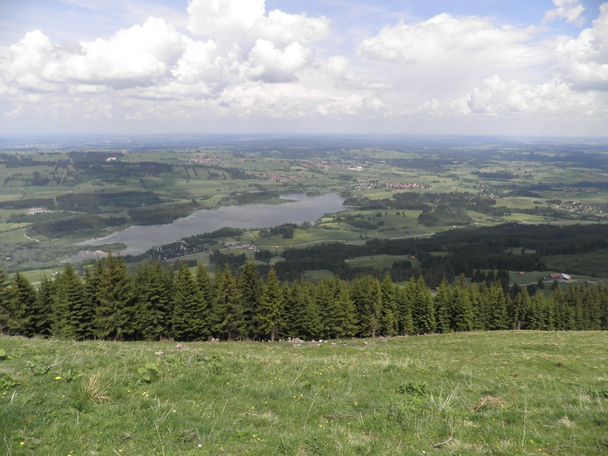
[[237, 59], [445, 40], [583, 61], [139, 55], [246, 21], [270, 64], [568, 10], [294, 100], [26, 61], [495, 97]]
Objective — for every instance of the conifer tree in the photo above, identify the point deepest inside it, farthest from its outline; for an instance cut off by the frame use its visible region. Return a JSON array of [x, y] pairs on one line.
[[41, 315], [346, 321], [312, 324], [548, 314], [204, 284], [228, 308], [5, 302], [190, 320], [443, 303], [294, 310], [249, 288], [521, 308], [367, 299], [83, 311], [21, 319], [388, 316], [497, 309], [270, 308], [462, 312], [116, 297], [67, 305], [476, 300], [423, 309], [404, 309], [604, 301], [534, 316], [155, 297]]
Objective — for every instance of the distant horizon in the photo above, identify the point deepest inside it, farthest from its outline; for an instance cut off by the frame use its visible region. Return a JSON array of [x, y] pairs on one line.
[[287, 135]]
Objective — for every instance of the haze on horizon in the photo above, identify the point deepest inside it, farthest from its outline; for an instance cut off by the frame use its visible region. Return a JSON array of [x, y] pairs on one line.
[[292, 66]]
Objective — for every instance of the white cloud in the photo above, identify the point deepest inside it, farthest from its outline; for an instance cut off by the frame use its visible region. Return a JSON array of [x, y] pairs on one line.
[[139, 55], [246, 21], [338, 69], [568, 10], [270, 64], [26, 61], [294, 100], [445, 40], [241, 60], [584, 60], [496, 96]]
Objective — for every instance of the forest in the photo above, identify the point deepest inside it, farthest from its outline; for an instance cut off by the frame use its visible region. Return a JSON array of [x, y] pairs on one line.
[[161, 302]]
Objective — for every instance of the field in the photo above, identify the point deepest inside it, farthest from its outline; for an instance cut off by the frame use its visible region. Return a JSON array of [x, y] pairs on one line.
[[499, 393], [53, 198]]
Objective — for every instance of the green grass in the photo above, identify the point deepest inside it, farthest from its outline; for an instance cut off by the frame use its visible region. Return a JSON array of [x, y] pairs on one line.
[[593, 263], [377, 261], [545, 394]]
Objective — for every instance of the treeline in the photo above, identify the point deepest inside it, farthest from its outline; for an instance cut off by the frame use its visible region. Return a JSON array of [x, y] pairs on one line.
[[158, 302], [511, 246]]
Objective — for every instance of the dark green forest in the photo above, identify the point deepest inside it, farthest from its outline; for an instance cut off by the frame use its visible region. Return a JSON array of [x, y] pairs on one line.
[[158, 301]]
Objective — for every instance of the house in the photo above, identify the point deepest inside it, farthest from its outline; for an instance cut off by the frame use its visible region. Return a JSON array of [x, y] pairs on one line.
[[563, 277]]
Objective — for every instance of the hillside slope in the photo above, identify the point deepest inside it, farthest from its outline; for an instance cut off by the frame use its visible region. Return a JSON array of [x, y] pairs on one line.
[[475, 393]]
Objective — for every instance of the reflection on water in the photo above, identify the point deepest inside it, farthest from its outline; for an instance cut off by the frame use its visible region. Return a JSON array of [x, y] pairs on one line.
[[139, 239]]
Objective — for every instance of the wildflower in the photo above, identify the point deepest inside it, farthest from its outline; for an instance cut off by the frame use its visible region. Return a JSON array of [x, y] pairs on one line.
[[58, 378], [21, 443]]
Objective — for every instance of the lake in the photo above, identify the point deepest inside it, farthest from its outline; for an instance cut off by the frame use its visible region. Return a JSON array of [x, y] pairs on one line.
[[299, 208]]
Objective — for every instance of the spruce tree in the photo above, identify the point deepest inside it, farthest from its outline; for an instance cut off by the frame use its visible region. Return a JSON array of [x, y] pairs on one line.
[[154, 297], [388, 316], [497, 309], [116, 297], [21, 321], [423, 311], [346, 322], [190, 316], [294, 310], [443, 303], [228, 308], [604, 304], [204, 283], [249, 288], [404, 308], [521, 308], [270, 308], [312, 323], [5, 301], [84, 313], [367, 299], [476, 300], [67, 305], [41, 315]]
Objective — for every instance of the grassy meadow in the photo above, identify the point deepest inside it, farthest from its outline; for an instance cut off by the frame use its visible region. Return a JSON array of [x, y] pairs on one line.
[[503, 393]]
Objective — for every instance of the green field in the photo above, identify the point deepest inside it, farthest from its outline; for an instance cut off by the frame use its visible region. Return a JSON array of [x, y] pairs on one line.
[[499, 393], [51, 201]]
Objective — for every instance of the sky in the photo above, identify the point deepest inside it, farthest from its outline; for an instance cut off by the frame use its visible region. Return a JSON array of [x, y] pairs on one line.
[[491, 67]]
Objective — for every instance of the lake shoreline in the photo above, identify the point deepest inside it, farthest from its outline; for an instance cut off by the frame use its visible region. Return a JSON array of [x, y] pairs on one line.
[[297, 208]]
